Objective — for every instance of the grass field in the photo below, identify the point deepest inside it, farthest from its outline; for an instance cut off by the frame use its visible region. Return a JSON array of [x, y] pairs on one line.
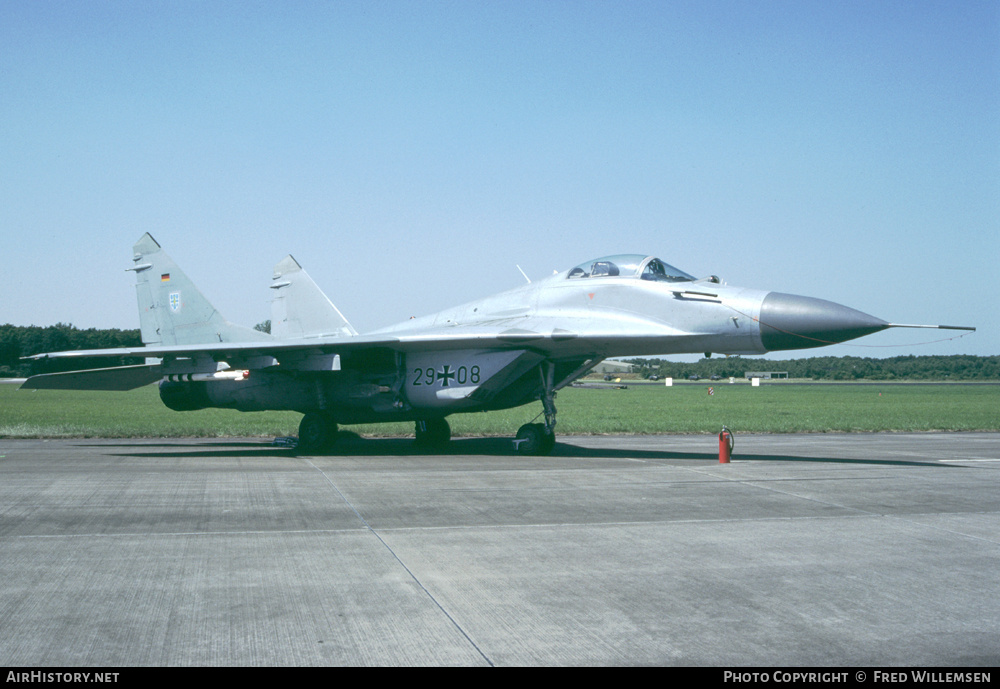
[[652, 409]]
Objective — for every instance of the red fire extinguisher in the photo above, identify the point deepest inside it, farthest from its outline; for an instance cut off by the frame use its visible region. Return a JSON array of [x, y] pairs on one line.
[[725, 446]]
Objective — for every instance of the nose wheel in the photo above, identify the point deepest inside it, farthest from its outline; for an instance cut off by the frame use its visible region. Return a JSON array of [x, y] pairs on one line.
[[533, 439]]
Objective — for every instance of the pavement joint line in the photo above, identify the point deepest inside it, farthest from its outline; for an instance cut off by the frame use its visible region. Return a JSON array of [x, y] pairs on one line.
[[402, 564], [863, 513], [751, 482], [971, 459], [179, 534], [946, 530], [711, 481], [467, 527]]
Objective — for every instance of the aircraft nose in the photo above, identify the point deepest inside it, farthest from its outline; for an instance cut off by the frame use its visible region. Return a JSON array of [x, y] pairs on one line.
[[788, 321]]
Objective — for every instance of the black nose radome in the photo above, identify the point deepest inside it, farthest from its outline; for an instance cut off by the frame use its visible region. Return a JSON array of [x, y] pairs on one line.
[[788, 321]]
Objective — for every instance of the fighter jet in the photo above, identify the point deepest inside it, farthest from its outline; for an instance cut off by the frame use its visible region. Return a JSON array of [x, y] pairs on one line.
[[504, 351]]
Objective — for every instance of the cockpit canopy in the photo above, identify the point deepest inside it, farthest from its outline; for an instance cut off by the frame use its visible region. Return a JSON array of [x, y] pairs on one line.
[[631, 266]]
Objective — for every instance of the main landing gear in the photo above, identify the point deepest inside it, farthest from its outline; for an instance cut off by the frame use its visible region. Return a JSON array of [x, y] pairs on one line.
[[432, 433], [318, 430], [317, 433]]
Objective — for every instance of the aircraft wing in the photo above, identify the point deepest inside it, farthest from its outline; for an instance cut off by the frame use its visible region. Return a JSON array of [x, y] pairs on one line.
[[500, 334], [570, 336]]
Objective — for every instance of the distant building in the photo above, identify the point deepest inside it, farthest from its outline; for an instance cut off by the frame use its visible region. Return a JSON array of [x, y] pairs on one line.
[[612, 366], [765, 375]]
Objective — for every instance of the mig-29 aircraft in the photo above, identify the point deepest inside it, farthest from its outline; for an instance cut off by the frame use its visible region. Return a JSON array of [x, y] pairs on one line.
[[495, 353]]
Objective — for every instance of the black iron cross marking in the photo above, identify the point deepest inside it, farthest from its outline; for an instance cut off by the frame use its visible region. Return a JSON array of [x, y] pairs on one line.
[[445, 375]]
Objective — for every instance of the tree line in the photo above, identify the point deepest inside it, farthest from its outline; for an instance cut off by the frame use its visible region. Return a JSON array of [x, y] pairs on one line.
[[953, 367], [18, 341], [21, 341]]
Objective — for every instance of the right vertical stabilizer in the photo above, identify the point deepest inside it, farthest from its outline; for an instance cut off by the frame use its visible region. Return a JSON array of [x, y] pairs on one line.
[[300, 309]]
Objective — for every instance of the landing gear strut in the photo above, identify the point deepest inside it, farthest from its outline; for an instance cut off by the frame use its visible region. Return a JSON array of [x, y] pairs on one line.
[[432, 432], [317, 433], [537, 438]]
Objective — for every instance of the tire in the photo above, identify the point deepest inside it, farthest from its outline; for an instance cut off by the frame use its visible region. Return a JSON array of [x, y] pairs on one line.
[[533, 440], [432, 432], [317, 433]]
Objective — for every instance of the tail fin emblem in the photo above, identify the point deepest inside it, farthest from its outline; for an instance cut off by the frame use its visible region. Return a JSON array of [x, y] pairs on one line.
[[175, 301]]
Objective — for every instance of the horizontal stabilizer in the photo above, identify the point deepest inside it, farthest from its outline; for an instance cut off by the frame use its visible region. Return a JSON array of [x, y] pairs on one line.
[[115, 378]]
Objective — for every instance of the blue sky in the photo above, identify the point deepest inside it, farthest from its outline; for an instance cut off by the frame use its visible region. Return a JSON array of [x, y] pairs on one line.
[[411, 154]]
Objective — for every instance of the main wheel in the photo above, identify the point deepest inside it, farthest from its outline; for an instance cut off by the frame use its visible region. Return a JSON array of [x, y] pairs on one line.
[[317, 433], [432, 432], [532, 439]]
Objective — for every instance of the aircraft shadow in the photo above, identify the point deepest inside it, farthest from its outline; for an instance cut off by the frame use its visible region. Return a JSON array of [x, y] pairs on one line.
[[350, 444]]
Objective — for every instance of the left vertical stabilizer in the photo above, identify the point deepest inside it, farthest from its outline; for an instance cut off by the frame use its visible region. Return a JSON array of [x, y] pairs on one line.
[[172, 311]]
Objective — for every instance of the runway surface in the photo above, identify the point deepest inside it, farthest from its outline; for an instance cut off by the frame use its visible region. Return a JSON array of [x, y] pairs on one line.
[[872, 550]]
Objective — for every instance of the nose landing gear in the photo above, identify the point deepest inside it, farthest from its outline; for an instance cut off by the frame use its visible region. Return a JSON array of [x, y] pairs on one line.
[[537, 438], [533, 439]]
